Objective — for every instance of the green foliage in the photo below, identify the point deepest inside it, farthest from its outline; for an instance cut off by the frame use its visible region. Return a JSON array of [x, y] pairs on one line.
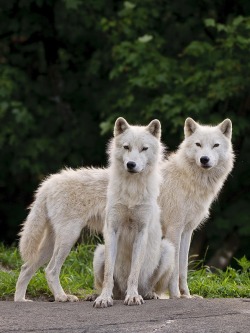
[[228, 283], [9, 257], [206, 77], [68, 68], [50, 74]]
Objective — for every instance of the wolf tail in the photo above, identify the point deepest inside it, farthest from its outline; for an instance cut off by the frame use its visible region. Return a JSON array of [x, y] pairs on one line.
[[33, 230]]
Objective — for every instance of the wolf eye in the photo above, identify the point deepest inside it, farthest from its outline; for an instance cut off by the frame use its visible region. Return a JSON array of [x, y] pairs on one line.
[[144, 148], [126, 147], [216, 145], [198, 144]]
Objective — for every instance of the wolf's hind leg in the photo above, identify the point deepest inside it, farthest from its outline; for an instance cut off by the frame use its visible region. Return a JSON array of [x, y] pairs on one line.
[[151, 295], [63, 244], [165, 268], [98, 266], [30, 267]]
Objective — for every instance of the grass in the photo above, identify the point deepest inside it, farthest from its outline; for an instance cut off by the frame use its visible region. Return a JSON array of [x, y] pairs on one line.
[[229, 283], [77, 276]]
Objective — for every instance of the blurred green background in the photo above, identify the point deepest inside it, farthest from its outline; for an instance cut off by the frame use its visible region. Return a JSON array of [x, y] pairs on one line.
[[68, 68]]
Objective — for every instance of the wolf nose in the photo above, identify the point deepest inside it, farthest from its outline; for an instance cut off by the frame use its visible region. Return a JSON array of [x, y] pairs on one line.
[[131, 165], [204, 160]]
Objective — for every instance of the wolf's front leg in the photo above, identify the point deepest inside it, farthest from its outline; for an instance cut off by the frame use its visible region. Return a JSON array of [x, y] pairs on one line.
[[139, 248], [183, 263], [105, 299], [175, 238]]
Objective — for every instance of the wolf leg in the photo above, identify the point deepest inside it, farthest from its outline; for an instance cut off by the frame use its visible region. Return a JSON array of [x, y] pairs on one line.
[[105, 299], [183, 263], [29, 268], [160, 279], [175, 237], [98, 265], [139, 248], [63, 244], [183, 268]]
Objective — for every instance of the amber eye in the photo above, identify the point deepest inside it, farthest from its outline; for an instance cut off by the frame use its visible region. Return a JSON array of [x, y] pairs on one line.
[[144, 148], [216, 145], [198, 144], [126, 147]]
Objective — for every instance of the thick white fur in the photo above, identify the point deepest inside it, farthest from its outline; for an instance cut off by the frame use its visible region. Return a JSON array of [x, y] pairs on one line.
[[189, 189], [64, 204], [136, 257], [72, 199]]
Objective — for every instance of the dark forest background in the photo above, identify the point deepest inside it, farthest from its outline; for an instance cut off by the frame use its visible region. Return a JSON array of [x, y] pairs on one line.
[[68, 68]]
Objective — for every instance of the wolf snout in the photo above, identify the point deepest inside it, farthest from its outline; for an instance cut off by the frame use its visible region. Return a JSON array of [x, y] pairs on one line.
[[131, 166], [205, 161]]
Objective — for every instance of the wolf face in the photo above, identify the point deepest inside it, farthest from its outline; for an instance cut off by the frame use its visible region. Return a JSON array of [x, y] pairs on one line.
[[207, 146], [136, 148]]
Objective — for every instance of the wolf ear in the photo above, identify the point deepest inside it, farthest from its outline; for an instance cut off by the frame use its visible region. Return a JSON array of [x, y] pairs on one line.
[[190, 127], [154, 128], [121, 126], [226, 128]]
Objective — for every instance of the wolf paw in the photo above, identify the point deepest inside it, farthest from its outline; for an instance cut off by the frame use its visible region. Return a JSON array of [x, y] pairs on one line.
[[151, 295], [66, 298], [91, 298], [175, 296], [134, 300], [72, 298], [103, 302], [23, 300], [191, 296]]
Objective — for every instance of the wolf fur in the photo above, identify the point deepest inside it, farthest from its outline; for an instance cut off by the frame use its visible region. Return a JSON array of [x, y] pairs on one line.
[[73, 199], [64, 204], [135, 258], [193, 177]]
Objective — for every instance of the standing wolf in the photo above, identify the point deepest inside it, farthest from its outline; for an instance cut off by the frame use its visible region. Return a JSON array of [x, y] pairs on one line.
[[137, 260], [193, 177], [72, 199]]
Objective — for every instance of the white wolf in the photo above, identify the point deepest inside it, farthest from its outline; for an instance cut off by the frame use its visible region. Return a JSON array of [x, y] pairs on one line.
[[68, 201], [193, 177], [136, 259]]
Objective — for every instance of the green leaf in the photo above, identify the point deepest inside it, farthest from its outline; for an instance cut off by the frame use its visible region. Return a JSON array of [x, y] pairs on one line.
[[129, 5], [145, 39], [237, 21], [197, 48], [210, 22], [221, 27], [72, 4]]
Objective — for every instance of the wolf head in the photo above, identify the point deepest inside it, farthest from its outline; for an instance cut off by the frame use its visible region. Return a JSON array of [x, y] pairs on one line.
[[207, 146], [136, 148]]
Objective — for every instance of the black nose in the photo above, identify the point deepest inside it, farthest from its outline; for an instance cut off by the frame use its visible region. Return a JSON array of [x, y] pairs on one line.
[[131, 165], [204, 160]]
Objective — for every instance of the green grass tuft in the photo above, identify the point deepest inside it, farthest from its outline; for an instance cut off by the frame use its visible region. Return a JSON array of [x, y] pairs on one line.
[[225, 284]]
